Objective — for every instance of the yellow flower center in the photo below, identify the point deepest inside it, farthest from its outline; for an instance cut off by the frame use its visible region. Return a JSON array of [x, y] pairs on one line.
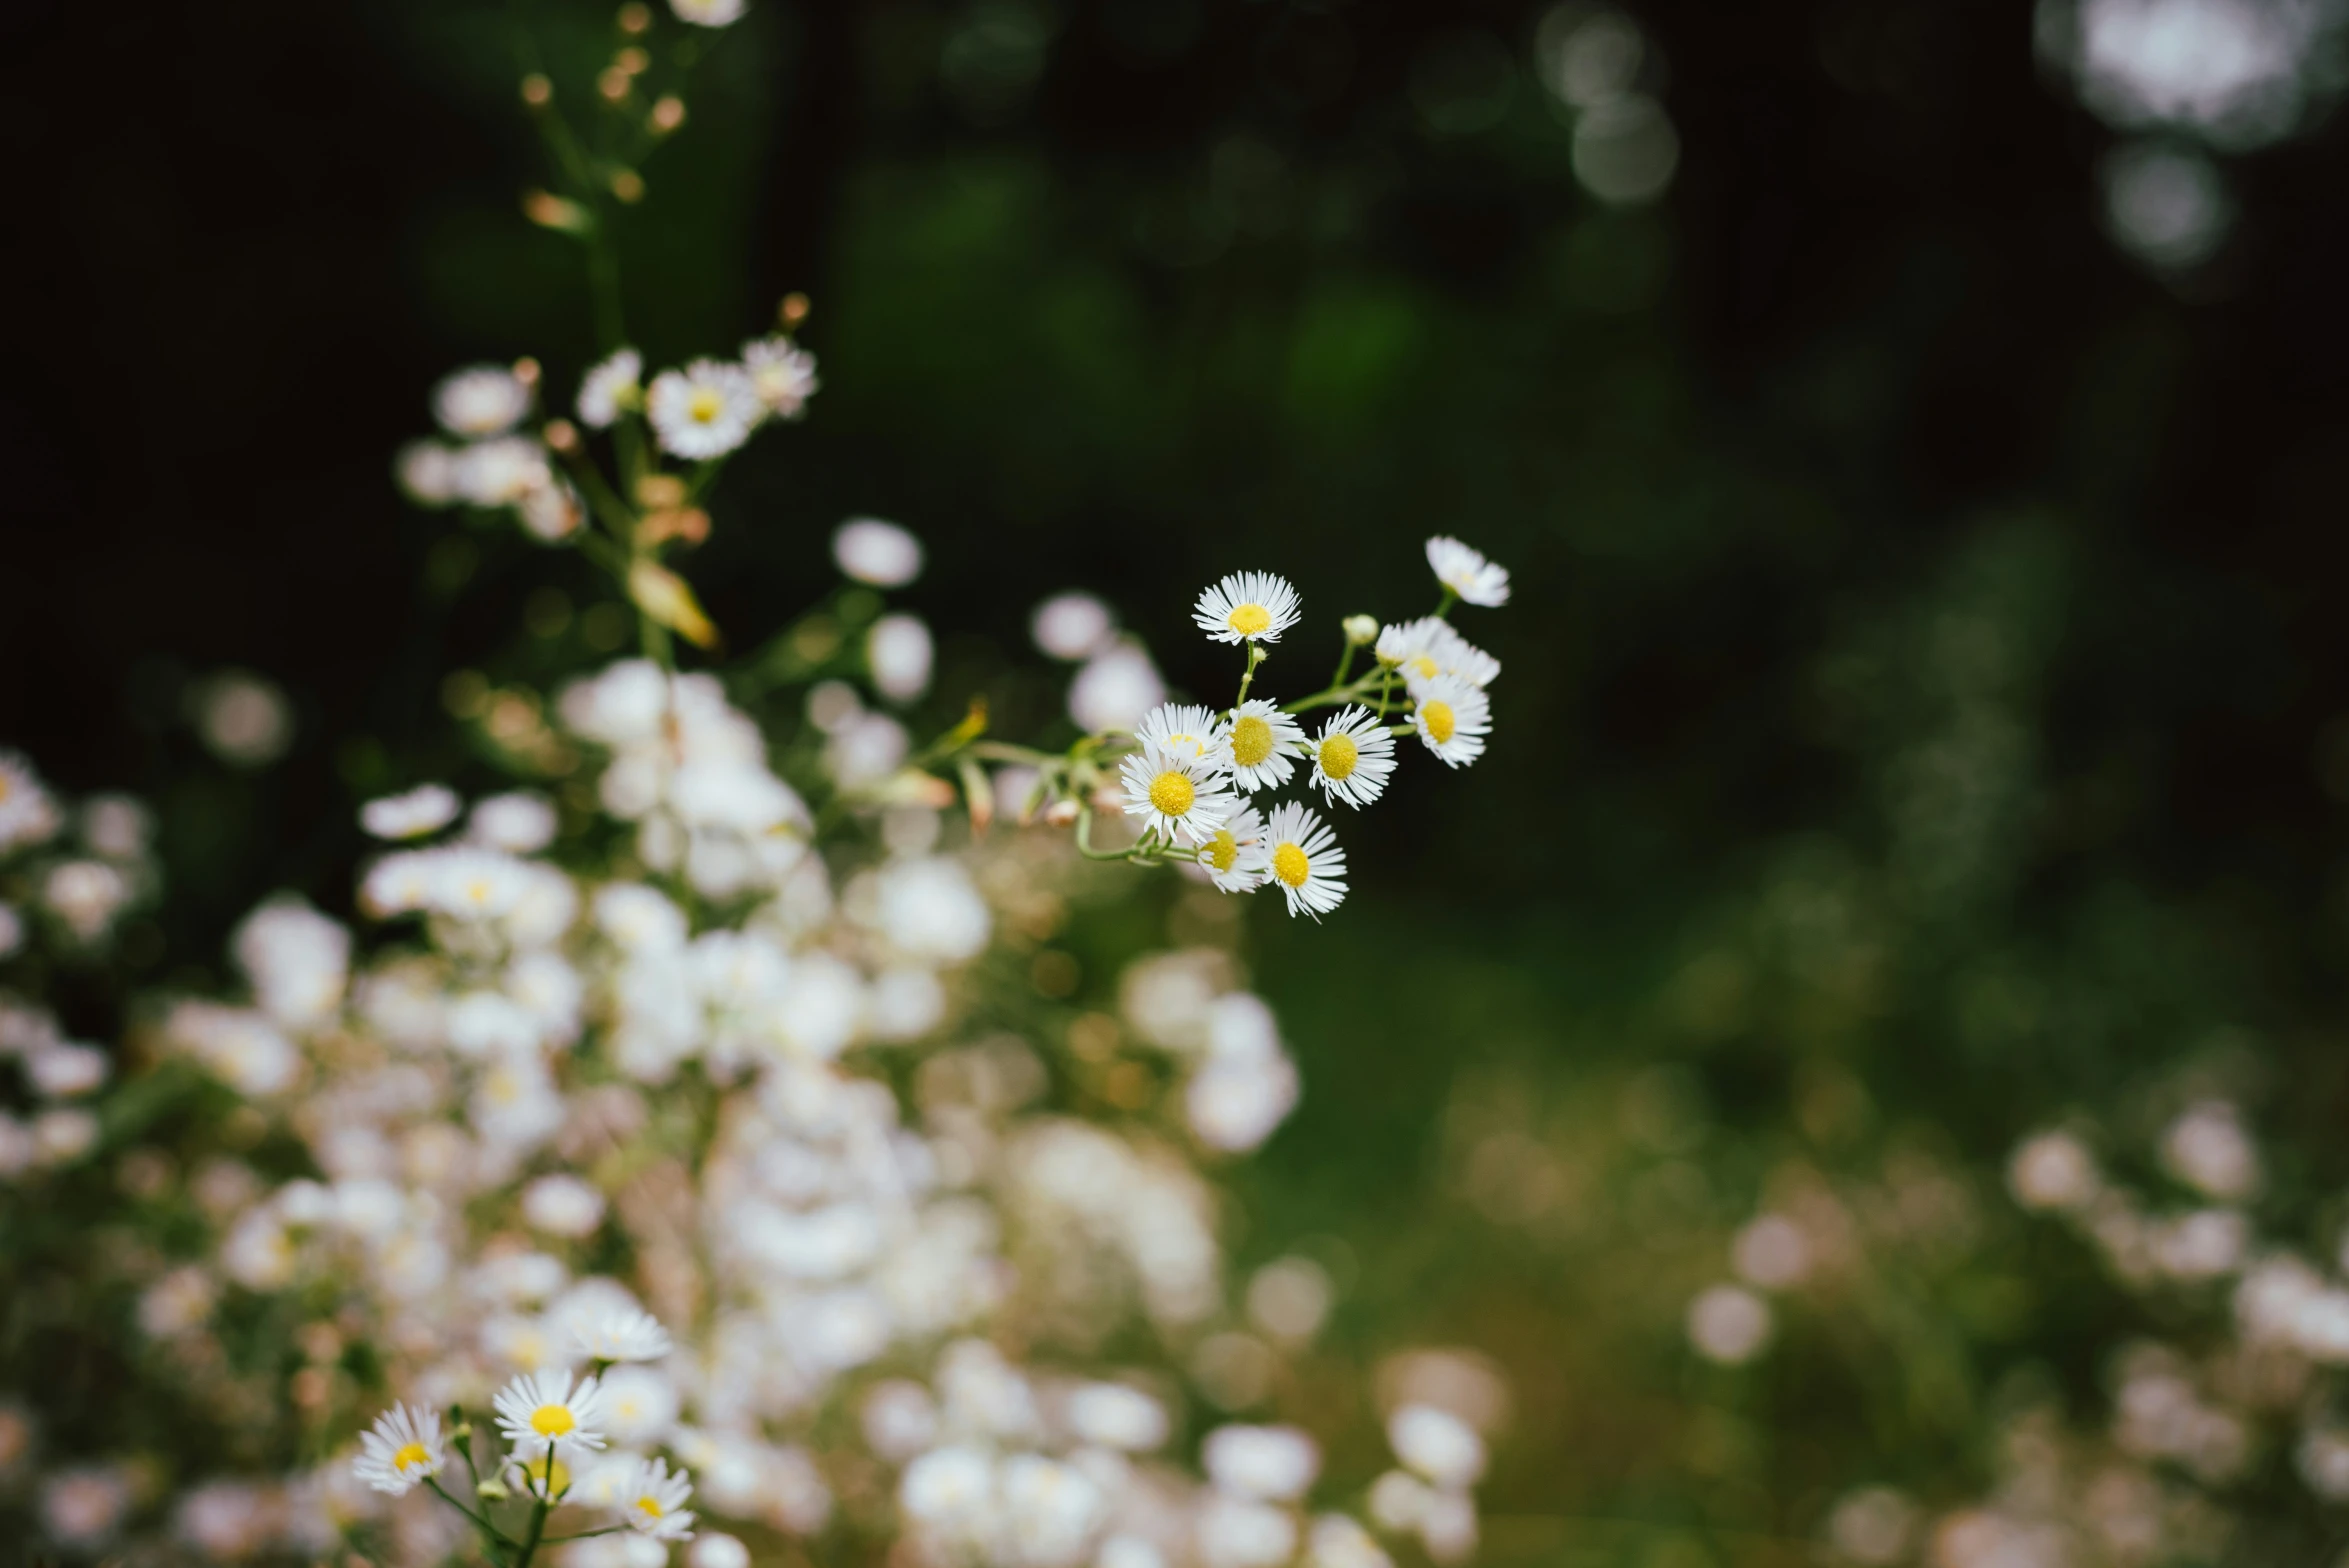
[[1172, 792], [478, 890], [1222, 850], [411, 1454], [650, 1506], [1424, 667], [1249, 620], [705, 405], [1290, 865], [552, 1420], [1338, 755], [1437, 716], [1251, 741], [4, 786]]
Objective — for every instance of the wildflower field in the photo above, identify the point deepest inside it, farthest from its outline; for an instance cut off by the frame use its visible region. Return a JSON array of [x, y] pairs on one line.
[[1177, 784]]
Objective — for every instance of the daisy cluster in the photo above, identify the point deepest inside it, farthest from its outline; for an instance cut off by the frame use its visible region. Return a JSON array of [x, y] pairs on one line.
[[678, 1172], [1196, 777]]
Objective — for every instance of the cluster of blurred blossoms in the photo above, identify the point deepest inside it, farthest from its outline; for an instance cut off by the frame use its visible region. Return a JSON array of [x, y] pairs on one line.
[[761, 1092], [2222, 1430]]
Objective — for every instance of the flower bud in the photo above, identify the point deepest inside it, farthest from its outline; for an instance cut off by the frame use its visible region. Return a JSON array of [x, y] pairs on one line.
[[1361, 630]]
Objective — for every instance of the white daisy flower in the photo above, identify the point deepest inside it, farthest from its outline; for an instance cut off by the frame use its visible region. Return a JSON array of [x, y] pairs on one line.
[[1304, 858], [1466, 572], [784, 374], [611, 389], [541, 1413], [482, 400], [1259, 743], [1185, 730], [425, 809], [1352, 757], [1453, 718], [708, 13], [401, 1449], [624, 1334], [1177, 795], [1247, 606], [705, 410], [1421, 650], [653, 1501], [1235, 859], [27, 814]]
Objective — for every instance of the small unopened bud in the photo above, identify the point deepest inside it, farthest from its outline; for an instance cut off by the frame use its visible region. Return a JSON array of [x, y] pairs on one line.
[[562, 435], [614, 83], [668, 114], [550, 211], [1060, 813], [526, 371], [628, 186], [1361, 630], [634, 18], [493, 1489], [632, 60], [537, 91], [794, 311], [660, 492]]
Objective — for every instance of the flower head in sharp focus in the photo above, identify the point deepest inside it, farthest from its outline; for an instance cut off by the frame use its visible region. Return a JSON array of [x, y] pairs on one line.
[[705, 410], [653, 1501], [401, 1449], [1304, 859], [1466, 572], [611, 389], [1421, 650], [1245, 607], [1177, 795], [542, 1413], [1260, 743], [1236, 859], [1352, 757], [1184, 729], [483, 400], [1453, 719], [783, 373], [624, 1334]]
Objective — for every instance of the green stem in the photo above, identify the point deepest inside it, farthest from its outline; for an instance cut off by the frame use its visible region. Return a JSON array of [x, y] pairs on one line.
[[491, 1534], [585, 1535], [1345, 663], [1445, 608], [1085, 838], [1256, 656], [537, 1527], [1350, 692]]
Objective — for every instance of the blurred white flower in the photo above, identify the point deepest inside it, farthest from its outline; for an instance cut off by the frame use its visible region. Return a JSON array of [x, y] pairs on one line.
[[1270, 1463], [875, 552], [1072, 626], [562, 1205], [1729, 1324], [482, 400], [1466, 572], [1115, 688], [705, 410], [425, 809], [783, 373], [611, 388], [898, 651]]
